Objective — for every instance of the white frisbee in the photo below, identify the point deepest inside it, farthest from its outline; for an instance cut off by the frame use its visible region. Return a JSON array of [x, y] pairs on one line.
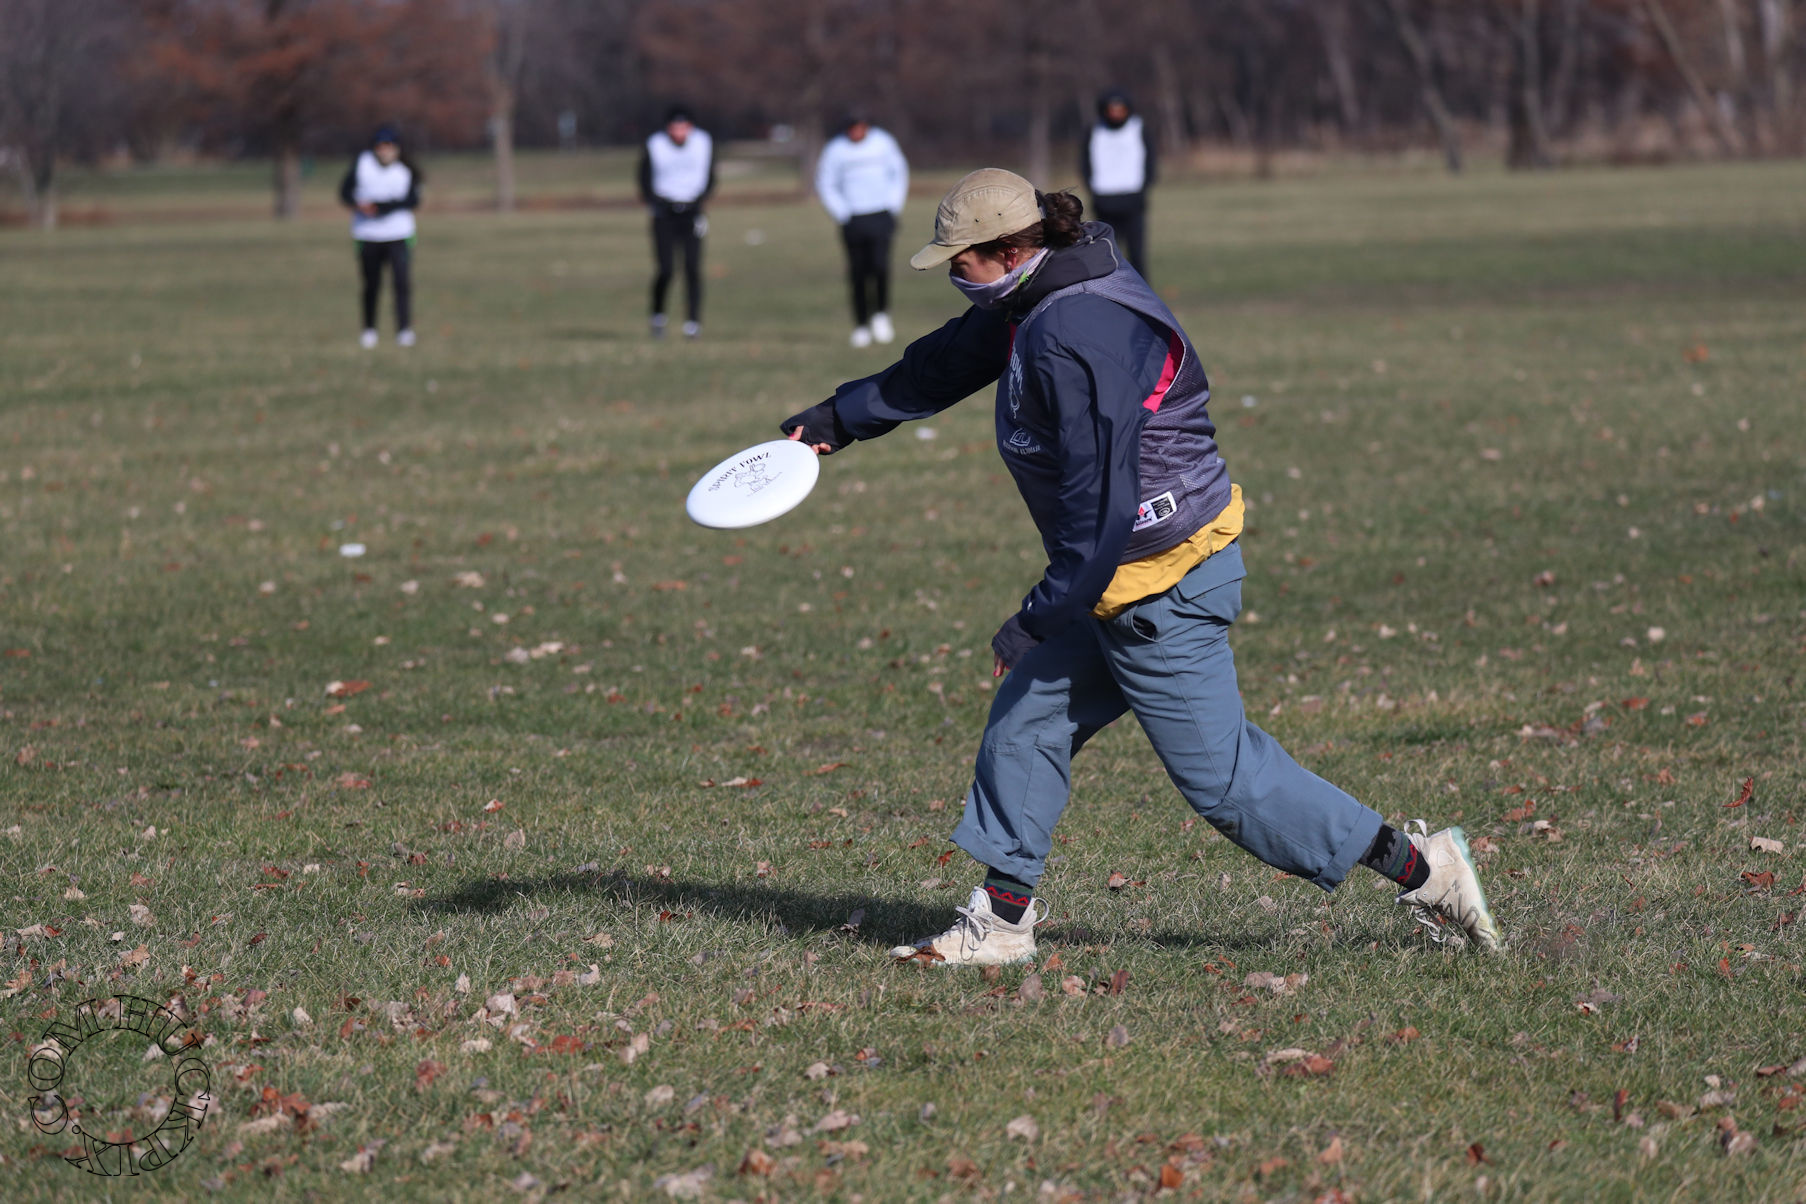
[[754, 486]]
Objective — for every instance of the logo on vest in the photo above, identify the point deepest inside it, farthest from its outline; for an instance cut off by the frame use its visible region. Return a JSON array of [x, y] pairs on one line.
[[1155, 510], [1022, 443]]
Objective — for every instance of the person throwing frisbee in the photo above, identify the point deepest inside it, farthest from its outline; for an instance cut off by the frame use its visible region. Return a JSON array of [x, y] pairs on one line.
[[1102, 419]]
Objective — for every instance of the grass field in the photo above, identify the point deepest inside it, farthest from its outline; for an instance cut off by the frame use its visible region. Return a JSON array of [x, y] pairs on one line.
[[1527, 553]]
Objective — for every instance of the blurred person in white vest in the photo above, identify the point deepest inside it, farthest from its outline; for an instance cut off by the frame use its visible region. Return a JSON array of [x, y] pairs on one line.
[[862, 179], [1116, 160], [677, 174], [382, 190]]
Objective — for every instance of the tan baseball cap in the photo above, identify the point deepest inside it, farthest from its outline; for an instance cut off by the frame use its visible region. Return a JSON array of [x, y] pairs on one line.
[[986, 205]]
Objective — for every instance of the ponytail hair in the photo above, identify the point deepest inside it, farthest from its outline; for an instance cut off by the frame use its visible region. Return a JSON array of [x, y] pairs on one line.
[[1060, 226]]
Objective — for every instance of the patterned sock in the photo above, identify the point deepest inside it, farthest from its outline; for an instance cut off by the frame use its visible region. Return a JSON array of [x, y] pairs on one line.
[[1009, 897], [1393, 855]]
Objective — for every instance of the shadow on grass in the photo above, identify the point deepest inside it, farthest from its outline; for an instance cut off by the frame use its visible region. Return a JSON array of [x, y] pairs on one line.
[[586, 334], [887, 921]]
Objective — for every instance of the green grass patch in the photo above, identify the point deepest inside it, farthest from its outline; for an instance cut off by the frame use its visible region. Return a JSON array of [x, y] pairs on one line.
[[1526, 551]]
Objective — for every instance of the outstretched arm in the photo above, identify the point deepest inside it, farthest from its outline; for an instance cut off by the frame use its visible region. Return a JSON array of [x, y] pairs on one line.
[[937, 370]]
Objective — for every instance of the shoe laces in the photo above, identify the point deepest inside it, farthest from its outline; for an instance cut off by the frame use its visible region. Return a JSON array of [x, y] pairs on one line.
[[973, 925], [1435, 922]]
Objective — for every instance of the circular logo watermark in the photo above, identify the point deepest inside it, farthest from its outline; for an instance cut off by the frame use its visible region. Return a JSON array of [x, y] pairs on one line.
[[78, 1065]]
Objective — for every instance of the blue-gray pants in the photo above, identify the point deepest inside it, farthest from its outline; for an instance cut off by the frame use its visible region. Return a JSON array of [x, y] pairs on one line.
[[1167, 659]]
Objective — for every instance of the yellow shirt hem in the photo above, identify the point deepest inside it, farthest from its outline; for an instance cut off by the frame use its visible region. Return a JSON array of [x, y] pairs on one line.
[[1158, 573]]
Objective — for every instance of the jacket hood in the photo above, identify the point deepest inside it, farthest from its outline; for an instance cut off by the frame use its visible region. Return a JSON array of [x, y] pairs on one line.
[[1092, 257], [1114, 96]]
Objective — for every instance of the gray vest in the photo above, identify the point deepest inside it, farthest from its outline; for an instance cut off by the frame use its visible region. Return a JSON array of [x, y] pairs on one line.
[[1184, 482]]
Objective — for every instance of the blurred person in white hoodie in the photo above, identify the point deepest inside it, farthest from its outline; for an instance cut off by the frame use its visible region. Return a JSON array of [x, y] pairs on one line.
[[382, 190], [862, 179]]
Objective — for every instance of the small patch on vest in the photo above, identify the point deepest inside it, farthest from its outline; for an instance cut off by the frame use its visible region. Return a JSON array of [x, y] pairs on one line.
[[1155, 510]]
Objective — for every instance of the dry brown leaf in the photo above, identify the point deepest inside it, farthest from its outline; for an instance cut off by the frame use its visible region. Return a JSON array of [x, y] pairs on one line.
[[835, 1121]]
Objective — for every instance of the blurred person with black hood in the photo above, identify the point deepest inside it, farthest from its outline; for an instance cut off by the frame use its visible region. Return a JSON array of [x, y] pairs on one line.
[[382, 190], [677, 174], [1117, 161]]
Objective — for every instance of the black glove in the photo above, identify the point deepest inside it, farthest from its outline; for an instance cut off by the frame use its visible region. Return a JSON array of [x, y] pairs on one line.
[[820, 424], [1013, 642]]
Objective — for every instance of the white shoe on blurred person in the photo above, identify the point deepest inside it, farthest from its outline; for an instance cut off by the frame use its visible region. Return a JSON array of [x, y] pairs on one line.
[[882, 330], [692, 329], [862, 336], [368, 340], [405, 338]]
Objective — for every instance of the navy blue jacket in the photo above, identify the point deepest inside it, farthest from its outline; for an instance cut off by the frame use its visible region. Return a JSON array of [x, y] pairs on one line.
[[1088, 365]]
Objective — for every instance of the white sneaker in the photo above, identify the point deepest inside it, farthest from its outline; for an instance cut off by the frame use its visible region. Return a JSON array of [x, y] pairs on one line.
[[658, 326], [978, 938], [882, 330], [692, 330], [405, 338], [368, 340], [862, 336], [1452, 903]]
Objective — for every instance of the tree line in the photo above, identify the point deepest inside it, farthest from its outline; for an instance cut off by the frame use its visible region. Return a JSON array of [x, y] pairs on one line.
[[1546, 81]]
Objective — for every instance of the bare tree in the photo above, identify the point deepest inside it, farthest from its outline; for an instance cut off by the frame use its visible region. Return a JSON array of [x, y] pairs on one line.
[[1424, 66], [1037, 73], [1529, 136], [507, 55], [51, 53], [1559, 97], [1334, 20], [1774, 21], [1676, 49], [289, 74]]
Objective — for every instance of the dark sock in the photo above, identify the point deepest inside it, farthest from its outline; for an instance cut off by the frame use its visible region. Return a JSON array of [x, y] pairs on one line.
[[1393, 855], [1009, 897]]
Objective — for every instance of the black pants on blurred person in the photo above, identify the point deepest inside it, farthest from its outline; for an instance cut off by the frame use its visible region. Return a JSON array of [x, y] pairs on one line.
[[1127, 214], [371, 256], [868, 237], [675, 228]]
